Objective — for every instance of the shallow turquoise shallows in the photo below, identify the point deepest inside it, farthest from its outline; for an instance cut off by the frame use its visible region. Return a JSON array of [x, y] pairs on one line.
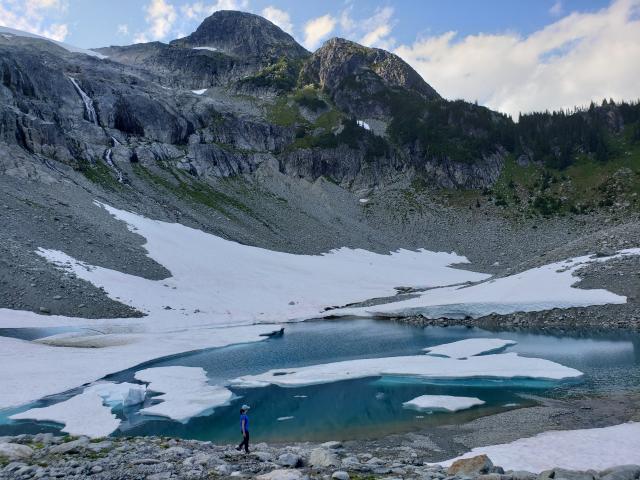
[[371, 407]]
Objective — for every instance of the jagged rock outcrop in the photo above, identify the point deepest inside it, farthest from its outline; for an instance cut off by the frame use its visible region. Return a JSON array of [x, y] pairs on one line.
[[354, 75]]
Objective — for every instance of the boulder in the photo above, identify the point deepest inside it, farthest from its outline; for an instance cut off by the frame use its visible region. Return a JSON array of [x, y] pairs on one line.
[[281, 475], [289, 460], [263, 456], [322, 458], [340, 475], [562, 474], [15, 451], [69, 447], [471, 466], [622, 472]]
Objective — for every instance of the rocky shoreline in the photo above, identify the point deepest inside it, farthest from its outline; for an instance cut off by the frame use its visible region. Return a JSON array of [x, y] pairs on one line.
[[44, 456]]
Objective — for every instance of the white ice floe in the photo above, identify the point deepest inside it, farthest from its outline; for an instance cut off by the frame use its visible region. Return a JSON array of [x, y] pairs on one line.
[[185, 392], [31, 370], [542, 288], [125, 394], [8, 32], [442, 402], [469, 347], [505, 365], [83, 414], [363, 124], [589, 449], [283, 419], [199, 92], [212, 49]]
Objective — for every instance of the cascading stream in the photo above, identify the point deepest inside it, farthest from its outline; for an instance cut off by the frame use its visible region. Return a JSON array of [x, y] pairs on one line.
[[88, 103], [109, 160]]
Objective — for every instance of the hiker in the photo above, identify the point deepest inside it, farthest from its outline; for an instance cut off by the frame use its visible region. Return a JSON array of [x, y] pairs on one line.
[[244, 428]]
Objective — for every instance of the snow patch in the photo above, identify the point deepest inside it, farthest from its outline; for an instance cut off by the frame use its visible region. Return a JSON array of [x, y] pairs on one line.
[[469, 347], [212, 49], [185, 392], [83, 414], [442, 402], [66, 46], [199, 92], [542, 288], [364, 200], [505, 365], [588, 449], [363, 124]]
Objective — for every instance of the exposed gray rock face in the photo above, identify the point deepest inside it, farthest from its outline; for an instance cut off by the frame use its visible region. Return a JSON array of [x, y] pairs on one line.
[[244, 35], [354, 75]]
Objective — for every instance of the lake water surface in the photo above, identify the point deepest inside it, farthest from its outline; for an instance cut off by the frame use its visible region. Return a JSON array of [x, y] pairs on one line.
[[371, 407]]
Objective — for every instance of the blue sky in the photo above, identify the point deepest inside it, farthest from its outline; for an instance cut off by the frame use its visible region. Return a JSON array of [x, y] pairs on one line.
[[511, 55]]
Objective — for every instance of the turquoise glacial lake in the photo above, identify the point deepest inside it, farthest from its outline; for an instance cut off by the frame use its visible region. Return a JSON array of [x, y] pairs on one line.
[[371, 407]]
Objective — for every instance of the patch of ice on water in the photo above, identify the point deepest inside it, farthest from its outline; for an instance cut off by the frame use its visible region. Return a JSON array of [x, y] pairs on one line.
[[469, 347], [442, 402], [588, 449], [125, 394], [82, 414], [185, 392], [505, 365], [283, 419]]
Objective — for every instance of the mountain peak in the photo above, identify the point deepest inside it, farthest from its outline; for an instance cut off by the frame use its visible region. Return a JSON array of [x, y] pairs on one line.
[[340, 58], [242, 34]]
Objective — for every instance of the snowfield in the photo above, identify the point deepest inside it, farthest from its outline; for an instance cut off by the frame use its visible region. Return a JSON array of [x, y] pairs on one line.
[[537, 289], [594, 448], [8, 32]]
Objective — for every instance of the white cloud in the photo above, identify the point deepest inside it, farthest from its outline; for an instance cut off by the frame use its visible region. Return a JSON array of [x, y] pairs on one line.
[[556, 9], [377, 29], [278, 17], [580, 57], [123, 29], [200, 10], [316, 29], [161, 16], [35, 16]]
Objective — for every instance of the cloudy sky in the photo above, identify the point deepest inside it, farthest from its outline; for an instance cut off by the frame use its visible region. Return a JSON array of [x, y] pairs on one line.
[[513, 56]]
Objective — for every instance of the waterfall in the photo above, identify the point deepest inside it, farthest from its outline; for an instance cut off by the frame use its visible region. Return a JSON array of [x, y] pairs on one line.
[[88, 103], [107, 158]]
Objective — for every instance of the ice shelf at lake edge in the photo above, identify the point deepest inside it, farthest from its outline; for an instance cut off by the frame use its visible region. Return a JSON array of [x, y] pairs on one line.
[[594, 448]]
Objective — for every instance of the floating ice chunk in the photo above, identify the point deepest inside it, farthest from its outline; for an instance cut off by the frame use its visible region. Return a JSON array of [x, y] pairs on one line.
[[282, 419], [505, 365], [212, 49], [363, 124], [199, 92], [469, 347], [442, 402], [588, 449], [125, 394], [83, 414], [185, 390]]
